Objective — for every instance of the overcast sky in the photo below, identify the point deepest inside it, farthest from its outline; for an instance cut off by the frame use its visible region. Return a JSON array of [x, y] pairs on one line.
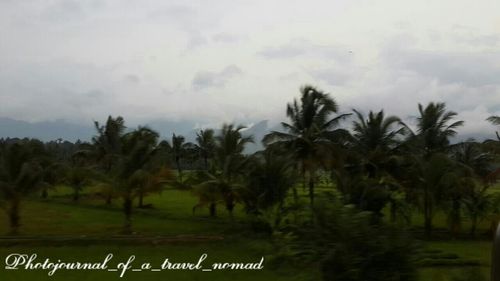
[[220, 61]]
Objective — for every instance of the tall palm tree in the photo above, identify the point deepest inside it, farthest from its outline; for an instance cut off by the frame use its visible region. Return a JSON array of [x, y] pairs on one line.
[[230, 144], [20, 175], [433, 177], [271, 175], [310, 133], [205, 144], [435, 126], [224, 181], [376, 138], [107, 145], [178, 146], [136, 170], [471, 154]]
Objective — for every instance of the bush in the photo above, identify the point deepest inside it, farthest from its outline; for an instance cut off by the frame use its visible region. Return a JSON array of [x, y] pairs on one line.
[[349, 246]]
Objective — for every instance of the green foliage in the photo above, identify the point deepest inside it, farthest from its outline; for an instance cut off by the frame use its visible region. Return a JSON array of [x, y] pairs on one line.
[[312, 132], [205, 145], [21, 173], [435, 126], [350, 246], [269, 179], [224, 183]]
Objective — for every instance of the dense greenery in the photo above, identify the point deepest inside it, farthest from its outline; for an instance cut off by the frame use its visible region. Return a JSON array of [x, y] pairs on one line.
[[377, 170]]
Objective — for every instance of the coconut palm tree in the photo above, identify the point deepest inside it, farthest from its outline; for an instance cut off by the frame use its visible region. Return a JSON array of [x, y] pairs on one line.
[[205, 145], [78, 174], [471, 154], [107, 144], [269, 178], [20, 175], [376, 138], [435, 126], [433, 177], [224, 182], [477, 204], [136, 171], [178, 149], [230, 161], [310, 133]]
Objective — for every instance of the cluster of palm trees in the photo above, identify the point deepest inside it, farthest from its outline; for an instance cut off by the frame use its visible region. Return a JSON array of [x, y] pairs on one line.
[[378, 163]]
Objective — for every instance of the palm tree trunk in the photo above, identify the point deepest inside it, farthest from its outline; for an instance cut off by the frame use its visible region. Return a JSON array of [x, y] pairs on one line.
[[311, 187], [177, 162], [205, 159], [303, 178], [455, 218], [213, 209], [127, 210], [427, 213], [13, 213]]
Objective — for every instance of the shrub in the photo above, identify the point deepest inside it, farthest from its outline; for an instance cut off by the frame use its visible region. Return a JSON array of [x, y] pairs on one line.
[[349, 246]]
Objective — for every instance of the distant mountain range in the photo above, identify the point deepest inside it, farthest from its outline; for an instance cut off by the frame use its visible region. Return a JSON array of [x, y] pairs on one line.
[[46, 131], [53, 130]]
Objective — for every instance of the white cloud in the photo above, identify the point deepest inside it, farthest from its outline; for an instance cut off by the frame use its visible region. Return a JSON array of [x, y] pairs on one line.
[[207, 79], [83, 60]]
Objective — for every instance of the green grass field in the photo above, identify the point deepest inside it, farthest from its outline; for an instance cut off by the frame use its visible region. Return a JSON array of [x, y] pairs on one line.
[[96, 226]]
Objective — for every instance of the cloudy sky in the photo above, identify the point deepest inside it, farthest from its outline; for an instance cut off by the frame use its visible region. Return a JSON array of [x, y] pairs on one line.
[[243, 60]]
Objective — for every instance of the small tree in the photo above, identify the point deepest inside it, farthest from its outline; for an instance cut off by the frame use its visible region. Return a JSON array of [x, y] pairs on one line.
[[20, 175]]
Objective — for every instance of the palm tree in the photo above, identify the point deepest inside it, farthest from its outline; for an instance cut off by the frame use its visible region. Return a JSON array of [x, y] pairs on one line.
[[495, 120], [178, 150], [269, 179], [434, 127], [310, 133], [224, 183], [136, 170], [205, 144], [209, 192], [78, 174], [107, 145], [51, 172], [376, 138], [477, 204], [434, 177], [471, 154], [77, 178], [478, 166], [230, 144], [20, 175]]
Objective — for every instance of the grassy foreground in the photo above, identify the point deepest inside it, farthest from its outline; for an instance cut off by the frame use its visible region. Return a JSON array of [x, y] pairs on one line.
[[171, 216]]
